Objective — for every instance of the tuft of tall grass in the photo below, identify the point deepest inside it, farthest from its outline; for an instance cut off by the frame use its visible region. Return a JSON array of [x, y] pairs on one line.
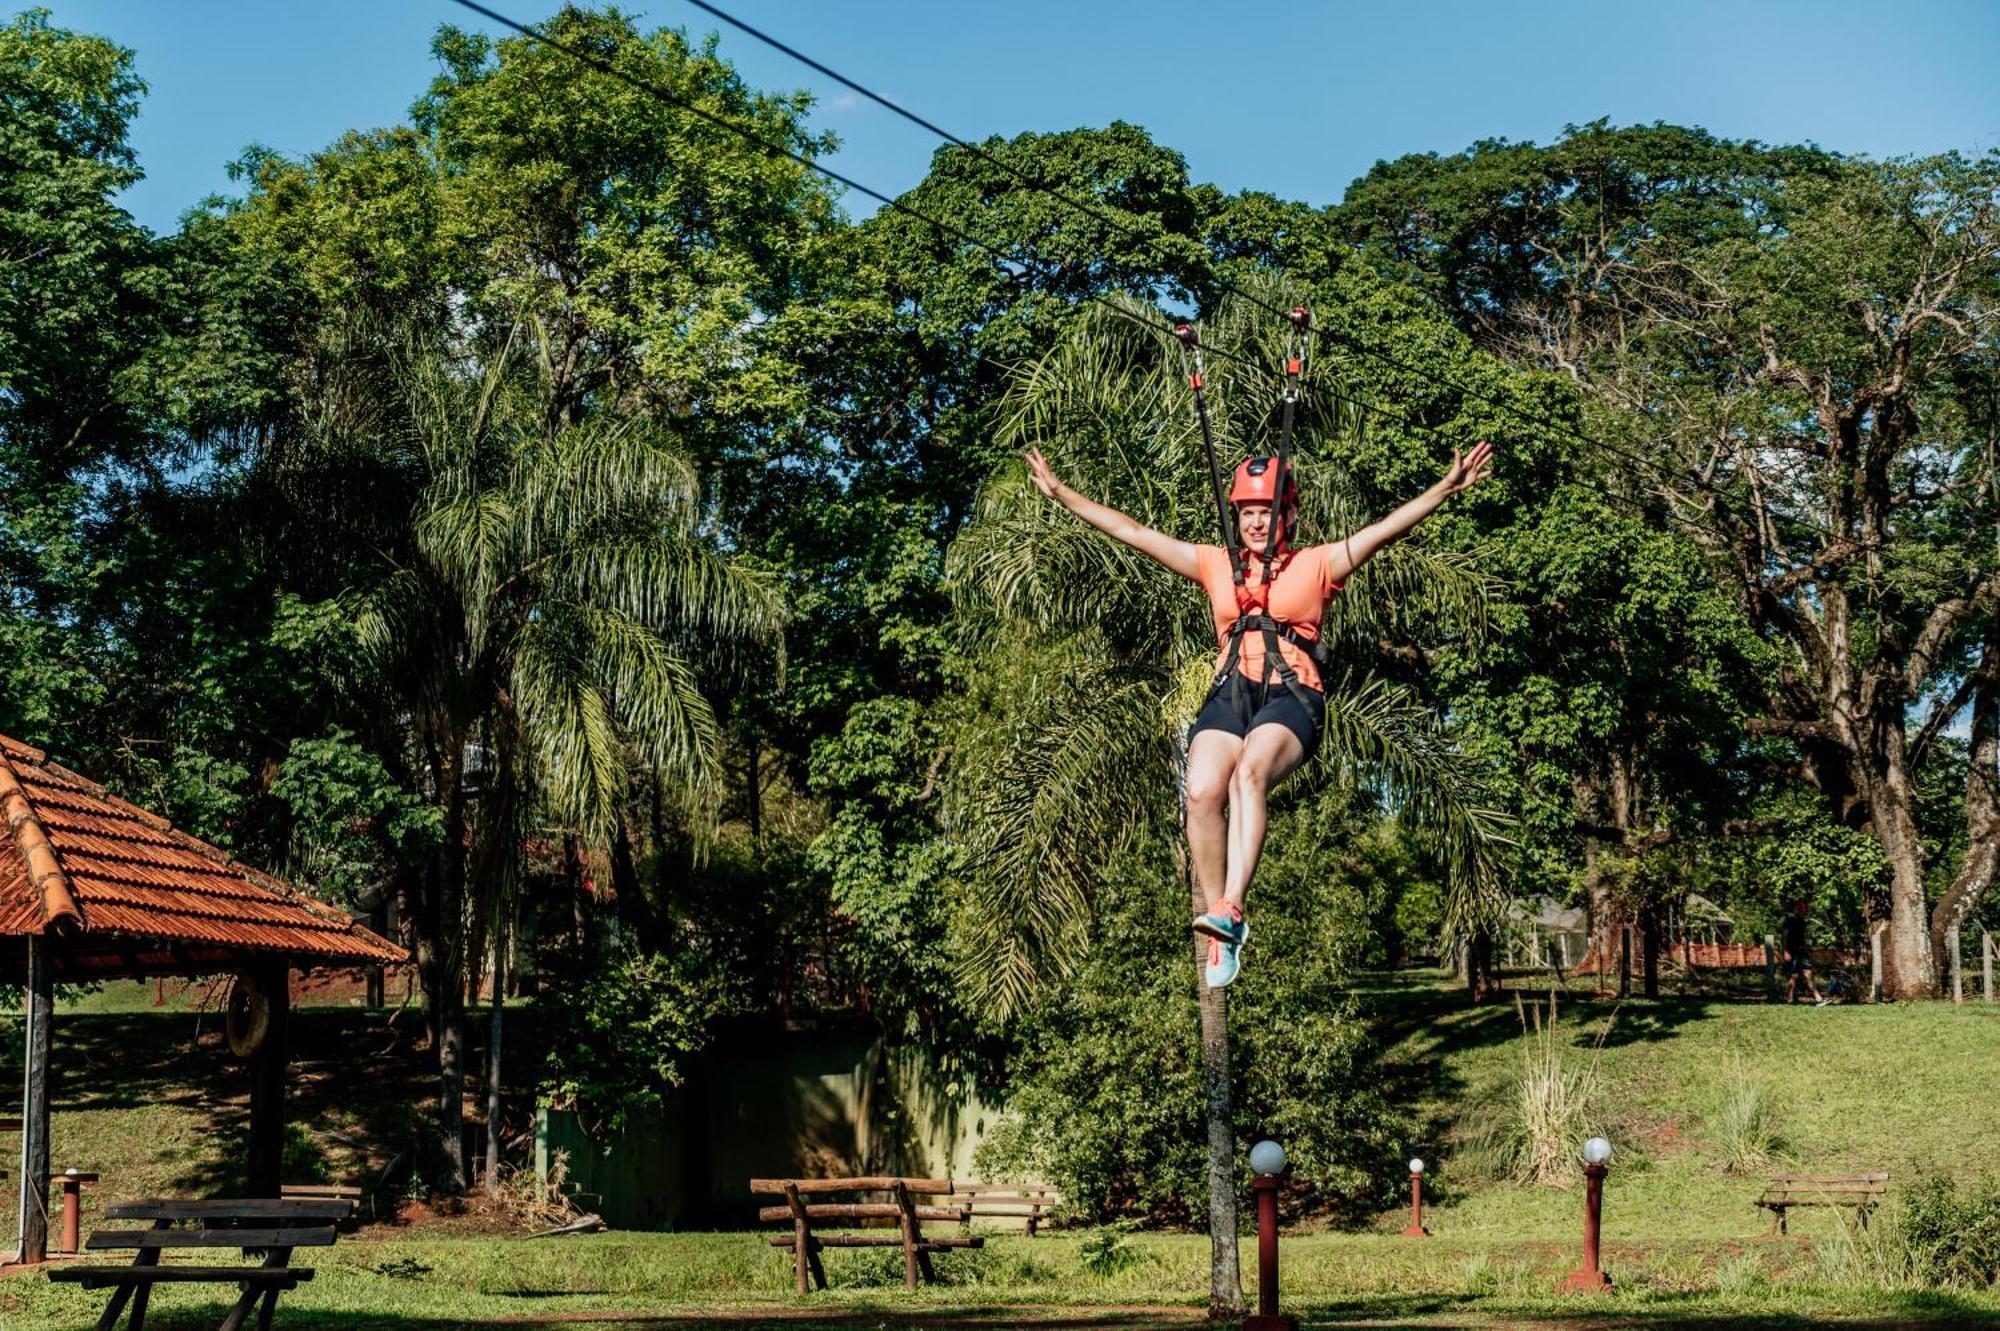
[[1554, 1100], [1745, 1131]]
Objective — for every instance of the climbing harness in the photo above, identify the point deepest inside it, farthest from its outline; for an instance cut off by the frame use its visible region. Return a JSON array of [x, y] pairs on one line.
[[1266, 480]]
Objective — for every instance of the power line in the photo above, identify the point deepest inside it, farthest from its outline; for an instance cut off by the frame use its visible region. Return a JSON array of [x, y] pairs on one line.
[[959, 234], [1125, 225]]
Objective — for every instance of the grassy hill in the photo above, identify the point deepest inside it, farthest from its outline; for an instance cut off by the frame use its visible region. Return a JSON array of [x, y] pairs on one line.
[[1906, 1088]]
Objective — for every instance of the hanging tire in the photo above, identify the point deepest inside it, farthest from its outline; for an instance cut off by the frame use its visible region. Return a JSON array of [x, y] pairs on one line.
[[246, 1018]]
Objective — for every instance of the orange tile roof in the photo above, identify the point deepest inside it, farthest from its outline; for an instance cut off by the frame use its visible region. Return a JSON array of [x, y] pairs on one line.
[[129, 894]]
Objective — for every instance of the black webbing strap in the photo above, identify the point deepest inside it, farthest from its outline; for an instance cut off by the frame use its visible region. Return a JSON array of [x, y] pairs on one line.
[[1295, 361], [1197, 380]]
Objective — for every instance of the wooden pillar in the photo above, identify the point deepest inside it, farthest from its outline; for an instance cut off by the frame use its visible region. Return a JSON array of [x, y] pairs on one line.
[[267, 1085], [1957, 968], [1986, 965], [1875, 964], [35, 1103]]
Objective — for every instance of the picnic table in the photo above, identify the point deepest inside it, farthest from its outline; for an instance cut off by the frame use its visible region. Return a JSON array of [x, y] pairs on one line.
[[1863, 1192], [269, 1228], [902, 1208]]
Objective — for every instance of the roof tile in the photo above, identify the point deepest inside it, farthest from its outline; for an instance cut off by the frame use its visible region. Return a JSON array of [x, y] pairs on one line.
[[128, 873]]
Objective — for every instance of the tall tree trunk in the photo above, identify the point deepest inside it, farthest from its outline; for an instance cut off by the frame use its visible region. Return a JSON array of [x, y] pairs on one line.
[[1908, 965], [1649, 925], [499, 974], [1982, 802], [445, 922], [1225, 1280]]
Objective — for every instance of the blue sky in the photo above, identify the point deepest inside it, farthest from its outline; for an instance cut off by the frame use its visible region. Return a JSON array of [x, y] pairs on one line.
[[1296, 98]]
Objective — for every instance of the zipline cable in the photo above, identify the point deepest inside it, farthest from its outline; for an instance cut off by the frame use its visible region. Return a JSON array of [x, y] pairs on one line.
[[1130, 229], [602, 66], [1159, 325]]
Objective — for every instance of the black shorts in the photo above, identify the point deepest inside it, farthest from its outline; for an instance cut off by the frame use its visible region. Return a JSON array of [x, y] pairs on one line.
[[1237, 706], [1798, 963]]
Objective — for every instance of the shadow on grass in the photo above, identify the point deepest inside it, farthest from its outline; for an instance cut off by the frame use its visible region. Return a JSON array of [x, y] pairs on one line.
[[1885, 1311], [355, 1077], [792, 1317], [1420, 1029]]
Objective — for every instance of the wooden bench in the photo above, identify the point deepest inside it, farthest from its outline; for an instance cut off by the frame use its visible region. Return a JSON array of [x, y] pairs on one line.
[[269, 1228], [327, 1192], [1027, 1202], [1863, 1192], [902, 1208]]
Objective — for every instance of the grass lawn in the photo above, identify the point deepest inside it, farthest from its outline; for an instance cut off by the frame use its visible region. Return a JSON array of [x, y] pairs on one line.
[[1145, 1281], [146, 1097]]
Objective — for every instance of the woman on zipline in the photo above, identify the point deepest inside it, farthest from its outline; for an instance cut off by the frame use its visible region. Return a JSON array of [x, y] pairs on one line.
[[1262, 718]]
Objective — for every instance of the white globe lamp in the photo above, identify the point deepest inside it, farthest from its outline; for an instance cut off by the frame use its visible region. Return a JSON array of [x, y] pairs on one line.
[[1268, 1159]]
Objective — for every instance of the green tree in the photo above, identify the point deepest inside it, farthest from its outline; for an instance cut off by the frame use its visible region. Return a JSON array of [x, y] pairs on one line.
[[1799, 348], [554, 612], [1093, 658]]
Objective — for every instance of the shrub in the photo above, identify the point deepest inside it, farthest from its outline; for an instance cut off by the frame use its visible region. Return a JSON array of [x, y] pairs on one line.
[[1951, 1234]]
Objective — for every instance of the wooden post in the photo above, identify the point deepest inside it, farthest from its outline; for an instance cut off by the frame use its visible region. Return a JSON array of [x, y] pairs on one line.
[[1957, 969], [802, 1253], [266, 1162], [35, 1103], [1771, 967], [908, 1220], [1986, 965], [1875, 965]]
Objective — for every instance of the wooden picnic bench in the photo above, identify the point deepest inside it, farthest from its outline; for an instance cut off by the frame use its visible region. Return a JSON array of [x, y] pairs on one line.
[[266, 1227], [902, 1208], [1863, 1192], [336, 1192], [1028, 1202]]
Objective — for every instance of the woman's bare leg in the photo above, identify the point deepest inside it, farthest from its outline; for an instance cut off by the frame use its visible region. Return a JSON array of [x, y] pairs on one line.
[[1212, 758], [1270, 754]]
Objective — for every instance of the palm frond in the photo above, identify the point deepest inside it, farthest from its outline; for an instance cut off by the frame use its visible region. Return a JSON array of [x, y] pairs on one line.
[[1043, 801]]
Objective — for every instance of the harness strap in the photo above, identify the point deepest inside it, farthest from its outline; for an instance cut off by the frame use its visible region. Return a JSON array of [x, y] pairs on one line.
[[1197, 378]]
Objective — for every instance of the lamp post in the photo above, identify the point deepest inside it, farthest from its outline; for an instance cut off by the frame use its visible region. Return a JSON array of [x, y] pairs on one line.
[[1267, 1160], [1590, 1276], [1416, 1229]]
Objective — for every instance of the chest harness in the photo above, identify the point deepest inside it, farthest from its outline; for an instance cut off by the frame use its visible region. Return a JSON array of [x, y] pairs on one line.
[[1268, 480]]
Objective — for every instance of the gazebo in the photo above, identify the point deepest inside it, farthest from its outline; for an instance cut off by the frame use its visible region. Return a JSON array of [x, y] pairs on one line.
[[95, 888]]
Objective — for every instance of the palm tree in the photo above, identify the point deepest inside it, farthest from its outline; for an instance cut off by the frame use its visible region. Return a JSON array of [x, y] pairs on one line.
[[1108, 657], [551, 615]]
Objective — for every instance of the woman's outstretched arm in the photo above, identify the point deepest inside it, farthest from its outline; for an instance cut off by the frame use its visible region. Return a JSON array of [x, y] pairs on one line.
[[1177, 556], [1363, 545]]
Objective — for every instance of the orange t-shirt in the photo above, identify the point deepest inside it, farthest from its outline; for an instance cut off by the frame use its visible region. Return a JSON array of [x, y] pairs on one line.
[[1297, 599]]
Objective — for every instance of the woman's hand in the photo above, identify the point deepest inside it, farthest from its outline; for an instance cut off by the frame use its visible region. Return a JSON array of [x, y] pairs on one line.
[[1467, 470], [1041, 473]]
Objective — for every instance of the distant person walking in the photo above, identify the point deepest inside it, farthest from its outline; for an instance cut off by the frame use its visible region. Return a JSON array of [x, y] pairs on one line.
[[1798, 957]]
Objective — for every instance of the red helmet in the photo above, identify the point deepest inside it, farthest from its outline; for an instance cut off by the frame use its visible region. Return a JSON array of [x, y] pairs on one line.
[[1257, 483]]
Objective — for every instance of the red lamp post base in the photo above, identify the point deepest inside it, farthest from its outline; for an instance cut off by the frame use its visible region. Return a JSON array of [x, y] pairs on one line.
[[1589, 1282], [1270, 1322], [1415, 1232]]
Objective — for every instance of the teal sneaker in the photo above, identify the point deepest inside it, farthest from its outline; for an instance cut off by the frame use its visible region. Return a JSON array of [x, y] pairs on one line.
[[1225, 960]]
